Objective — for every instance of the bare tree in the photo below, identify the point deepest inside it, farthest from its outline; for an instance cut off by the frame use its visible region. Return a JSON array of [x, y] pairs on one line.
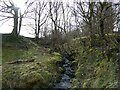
[[28, 4], [54, 8], [41, 16], [117, 13], [103, 7], [10, 10], [85, 10]]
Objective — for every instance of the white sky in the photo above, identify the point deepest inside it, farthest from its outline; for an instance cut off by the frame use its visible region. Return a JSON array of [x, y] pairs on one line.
[[7, 26]]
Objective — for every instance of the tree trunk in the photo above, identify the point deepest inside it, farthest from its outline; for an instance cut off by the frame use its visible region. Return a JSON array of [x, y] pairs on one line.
[[15, 28], [20, 23], [91, 5], [102, 29], [37, 38]]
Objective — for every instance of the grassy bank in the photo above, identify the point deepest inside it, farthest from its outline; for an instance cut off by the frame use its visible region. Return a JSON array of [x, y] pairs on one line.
[[92, 69], [42, 72]]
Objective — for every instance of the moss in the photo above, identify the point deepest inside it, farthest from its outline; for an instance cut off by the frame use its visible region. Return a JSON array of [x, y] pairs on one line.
[[10, 54], [43, 72], [75, 84], [32, 78], [92, 69], [97, 74]]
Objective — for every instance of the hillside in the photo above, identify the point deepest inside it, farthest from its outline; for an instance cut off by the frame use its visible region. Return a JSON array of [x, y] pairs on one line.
[[93, 69], [59, 45], [27, 65]]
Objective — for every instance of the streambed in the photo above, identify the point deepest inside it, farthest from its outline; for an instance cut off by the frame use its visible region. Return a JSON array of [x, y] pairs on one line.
[[66, 76]]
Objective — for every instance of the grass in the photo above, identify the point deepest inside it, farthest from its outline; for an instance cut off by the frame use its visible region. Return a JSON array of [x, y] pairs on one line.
[[0, 49], [92, 69], [41, 73], [10, 54]]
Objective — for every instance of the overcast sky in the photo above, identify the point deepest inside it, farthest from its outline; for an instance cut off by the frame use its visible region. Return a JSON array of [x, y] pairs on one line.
[[7, 26]]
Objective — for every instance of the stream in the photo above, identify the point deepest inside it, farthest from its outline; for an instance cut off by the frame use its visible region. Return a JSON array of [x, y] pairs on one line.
[[66, 76]]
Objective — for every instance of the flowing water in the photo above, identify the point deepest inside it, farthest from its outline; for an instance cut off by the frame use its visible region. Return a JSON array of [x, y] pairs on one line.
[[66, 77]]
